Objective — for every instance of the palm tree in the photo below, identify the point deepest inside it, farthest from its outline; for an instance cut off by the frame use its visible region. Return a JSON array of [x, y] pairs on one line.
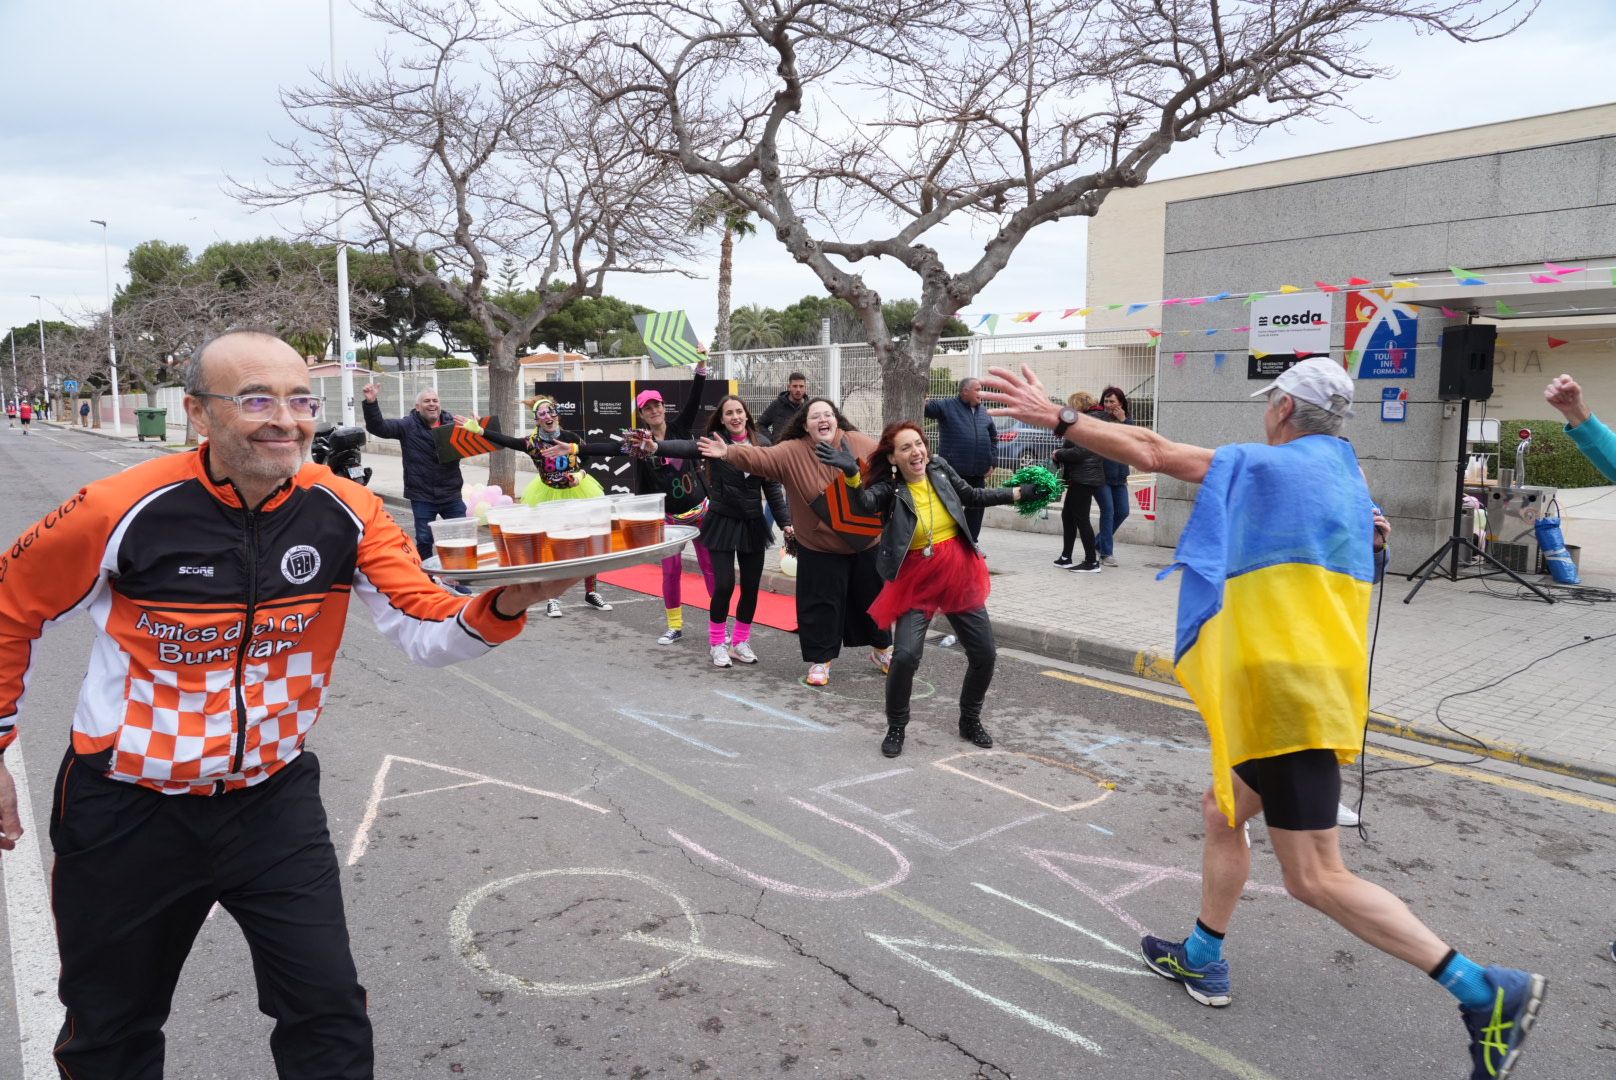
[[715, 211], [756, 327]]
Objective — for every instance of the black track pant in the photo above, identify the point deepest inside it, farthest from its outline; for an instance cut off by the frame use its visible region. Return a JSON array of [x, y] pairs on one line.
[[834, 594], [136, 873], [751, 563], [1075, 520], [975, 633]]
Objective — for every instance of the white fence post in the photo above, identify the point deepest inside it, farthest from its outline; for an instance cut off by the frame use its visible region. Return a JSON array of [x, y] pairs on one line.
[[833, 372], [974, 351], [473, 371]]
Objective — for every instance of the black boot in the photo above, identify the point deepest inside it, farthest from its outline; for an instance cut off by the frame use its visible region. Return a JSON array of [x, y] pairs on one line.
[[976, 733], [892, 745]]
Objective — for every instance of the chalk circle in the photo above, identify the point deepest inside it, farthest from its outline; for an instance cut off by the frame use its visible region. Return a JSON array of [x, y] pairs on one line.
[[923, 689], [460, 934]]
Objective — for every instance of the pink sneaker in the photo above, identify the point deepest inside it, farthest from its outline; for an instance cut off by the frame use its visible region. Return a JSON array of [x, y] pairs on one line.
[[818, 674]]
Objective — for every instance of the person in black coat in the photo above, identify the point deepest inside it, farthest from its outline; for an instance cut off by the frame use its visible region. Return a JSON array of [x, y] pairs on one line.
[[734, 530], [783, 408], [930, 564], [1084, 472], [432, 487]]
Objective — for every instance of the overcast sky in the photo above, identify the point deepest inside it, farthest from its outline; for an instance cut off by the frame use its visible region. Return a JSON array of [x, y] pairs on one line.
[[134, 112]]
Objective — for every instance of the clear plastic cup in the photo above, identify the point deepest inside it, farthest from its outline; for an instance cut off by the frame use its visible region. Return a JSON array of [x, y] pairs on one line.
[[496, 523], [638, 520], [523, 531], [567, 529], [455, 542]]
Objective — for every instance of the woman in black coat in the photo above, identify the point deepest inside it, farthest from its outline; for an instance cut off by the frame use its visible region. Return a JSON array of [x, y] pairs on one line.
[[930, 564], [1084, 472], [734, 531]]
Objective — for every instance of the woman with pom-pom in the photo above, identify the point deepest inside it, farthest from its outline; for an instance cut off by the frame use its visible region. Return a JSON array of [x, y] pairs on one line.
[[930, 564]]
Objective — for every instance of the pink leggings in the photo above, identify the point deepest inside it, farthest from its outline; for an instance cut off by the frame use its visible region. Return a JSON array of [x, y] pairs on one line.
[[673, 568]]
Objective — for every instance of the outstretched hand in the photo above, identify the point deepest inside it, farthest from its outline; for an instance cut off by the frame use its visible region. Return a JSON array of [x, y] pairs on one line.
[[515, 599], [557, 450], [10, 819], [1020, 397], [837, 458], [712, 446], [1564, 394]]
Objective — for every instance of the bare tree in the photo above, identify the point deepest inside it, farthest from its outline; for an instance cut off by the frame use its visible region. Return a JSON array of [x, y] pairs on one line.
[[456, 155], [860, 129]]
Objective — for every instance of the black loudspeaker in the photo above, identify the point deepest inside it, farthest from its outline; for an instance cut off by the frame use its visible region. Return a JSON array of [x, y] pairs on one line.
[[1467, 362]]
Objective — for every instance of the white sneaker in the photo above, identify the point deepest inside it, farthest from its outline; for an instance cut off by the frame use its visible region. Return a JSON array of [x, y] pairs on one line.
[[720, 656], [948, 639], [742, 651], [552, 608], [1345, 817]]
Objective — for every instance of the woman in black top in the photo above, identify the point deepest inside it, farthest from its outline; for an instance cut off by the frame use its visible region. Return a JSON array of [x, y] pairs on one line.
[[1084, 473], [735, 530]]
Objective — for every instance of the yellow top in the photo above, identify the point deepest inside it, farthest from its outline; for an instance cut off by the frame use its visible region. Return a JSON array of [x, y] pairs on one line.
[[933, 522]]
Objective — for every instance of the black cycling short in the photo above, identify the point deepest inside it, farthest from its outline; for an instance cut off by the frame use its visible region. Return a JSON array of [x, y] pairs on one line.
[[1299, 790]]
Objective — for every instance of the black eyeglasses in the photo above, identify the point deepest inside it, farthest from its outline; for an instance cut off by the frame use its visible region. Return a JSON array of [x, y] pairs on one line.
[[262, 407]]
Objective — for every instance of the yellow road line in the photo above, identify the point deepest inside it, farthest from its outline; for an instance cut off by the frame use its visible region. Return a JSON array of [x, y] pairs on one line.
[[1587, 802], [1150, 1024]]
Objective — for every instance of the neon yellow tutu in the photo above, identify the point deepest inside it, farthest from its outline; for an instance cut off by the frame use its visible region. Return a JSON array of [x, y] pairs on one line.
[[539, 492]]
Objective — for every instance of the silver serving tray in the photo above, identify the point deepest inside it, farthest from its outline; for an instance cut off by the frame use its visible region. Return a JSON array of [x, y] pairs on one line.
[[673, 538]]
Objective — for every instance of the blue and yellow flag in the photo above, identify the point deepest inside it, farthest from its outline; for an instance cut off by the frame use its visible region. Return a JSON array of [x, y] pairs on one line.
[[1273, 611]]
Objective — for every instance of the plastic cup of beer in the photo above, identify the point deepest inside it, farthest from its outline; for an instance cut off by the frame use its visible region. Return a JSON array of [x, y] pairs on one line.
[[640, 520], [619, 543], [496, 521], [567, 530], [523, 530], [597, 518], [455, 541]]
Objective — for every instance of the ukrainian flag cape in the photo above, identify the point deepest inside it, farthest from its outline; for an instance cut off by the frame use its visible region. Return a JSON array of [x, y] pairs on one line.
[[1273, 611]]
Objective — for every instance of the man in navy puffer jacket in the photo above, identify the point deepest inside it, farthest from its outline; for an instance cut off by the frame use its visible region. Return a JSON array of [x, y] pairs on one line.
[[431, 487], [967, 439]]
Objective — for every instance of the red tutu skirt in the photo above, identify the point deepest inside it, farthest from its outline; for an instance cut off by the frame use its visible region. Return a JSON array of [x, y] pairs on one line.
[[953, 580]]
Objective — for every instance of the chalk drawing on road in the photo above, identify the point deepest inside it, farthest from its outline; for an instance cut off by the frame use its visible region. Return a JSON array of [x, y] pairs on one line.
[[1139, 876], [658, 721], [1120, 950], [901, 947], [791, 720], [1080, 804], [924, 688], [464, 938], [804, 891], [1091, 743], [361, 840], [899, 819]]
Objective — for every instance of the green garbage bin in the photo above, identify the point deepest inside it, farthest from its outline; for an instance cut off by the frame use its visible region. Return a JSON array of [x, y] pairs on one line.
[[152, 422]]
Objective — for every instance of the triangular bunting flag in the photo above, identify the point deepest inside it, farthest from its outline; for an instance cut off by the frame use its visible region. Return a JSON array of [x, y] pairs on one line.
[[1545, 279], [1449, 313], [1154, 333], [1259, 354], [1250, 297], [1219, 296], [1069, 312], [1134, 309], [1465, 277], [1405, 284], [1026, 316], [1174, 300], [1240, 330], [1197, 301], [1359, 281], [1178, 359], [1218, 359], [1288, 289], [983, 320], [1505, 309], [1209, 333], [1322, 287], [1555, 343], [1112, 307], [1555, 268]]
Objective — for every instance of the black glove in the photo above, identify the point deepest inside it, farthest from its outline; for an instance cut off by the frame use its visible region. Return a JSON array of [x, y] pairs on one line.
[[837, 458], [1026, 492]]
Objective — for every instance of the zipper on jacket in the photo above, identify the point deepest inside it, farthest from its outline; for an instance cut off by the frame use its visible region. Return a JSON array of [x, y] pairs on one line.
[[240, 750]]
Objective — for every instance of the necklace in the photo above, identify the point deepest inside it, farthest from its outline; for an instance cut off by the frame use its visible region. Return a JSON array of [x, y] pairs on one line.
[[925, 552]]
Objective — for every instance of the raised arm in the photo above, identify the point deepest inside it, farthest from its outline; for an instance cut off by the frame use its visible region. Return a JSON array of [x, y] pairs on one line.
[[1023, 398], [768, 462], [509, 442], [378, 425], [692, 406], [1592, 437], [975, 496]]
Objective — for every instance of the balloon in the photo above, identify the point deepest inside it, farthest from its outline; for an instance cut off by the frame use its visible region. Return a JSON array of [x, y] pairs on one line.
[[788, 565]]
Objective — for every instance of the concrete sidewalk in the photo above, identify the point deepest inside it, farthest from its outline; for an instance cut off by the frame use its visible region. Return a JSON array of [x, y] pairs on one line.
[[1536, 683]]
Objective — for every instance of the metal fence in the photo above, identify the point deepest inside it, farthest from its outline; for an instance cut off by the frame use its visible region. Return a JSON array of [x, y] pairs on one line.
[[849, 374]]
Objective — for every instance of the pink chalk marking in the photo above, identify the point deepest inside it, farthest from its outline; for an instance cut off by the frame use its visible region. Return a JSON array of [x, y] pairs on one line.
[[801, 890], [1148, 875], [1069, 767]]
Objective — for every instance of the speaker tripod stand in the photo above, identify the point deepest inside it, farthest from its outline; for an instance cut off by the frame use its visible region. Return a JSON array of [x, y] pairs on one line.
[[1457, 543]]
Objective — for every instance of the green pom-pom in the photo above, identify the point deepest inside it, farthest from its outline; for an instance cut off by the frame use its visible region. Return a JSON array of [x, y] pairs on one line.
[[1048, 484]]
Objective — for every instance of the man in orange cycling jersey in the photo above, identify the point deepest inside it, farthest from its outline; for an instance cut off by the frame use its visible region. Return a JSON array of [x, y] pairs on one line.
[[220, 582]]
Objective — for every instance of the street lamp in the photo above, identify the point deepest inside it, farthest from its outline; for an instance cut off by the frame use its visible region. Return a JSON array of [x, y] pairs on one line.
[[344, 331], [16, 389], [44, 369], [112, 349]]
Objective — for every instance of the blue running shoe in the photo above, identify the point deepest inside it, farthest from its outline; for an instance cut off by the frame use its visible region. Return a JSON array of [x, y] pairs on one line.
[[1497, 1032], [1209, 985]]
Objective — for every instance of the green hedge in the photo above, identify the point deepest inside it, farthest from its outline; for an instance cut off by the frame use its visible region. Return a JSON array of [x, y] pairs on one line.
[[1553, 460]]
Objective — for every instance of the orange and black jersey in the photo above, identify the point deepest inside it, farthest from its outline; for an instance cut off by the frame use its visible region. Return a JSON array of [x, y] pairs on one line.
[[219, 622]]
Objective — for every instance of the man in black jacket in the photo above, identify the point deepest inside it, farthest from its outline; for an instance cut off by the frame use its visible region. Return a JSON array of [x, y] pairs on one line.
[[967, 438], [431, 487], [783, 408]]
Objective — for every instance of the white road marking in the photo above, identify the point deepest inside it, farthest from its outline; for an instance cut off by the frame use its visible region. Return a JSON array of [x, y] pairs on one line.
[[33, 937]]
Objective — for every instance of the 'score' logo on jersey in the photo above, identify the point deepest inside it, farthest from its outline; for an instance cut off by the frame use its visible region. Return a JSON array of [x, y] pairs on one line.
[[299, 564]]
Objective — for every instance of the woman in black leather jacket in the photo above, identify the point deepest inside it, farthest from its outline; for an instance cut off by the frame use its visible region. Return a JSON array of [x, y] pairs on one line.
[[930, 564], [1084, 472], [734, 530]]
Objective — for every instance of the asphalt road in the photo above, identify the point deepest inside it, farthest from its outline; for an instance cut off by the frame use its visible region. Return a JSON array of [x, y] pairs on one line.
[[587, 856]]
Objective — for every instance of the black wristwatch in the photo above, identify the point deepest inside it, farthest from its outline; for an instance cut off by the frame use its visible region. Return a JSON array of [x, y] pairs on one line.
[[1068, 417]]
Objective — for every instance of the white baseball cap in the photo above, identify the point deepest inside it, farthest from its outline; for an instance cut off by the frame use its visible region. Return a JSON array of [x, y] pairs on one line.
[[1317, 381]]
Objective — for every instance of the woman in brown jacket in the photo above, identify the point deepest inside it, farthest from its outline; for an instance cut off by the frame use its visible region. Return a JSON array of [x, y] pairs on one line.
[[836, 576]]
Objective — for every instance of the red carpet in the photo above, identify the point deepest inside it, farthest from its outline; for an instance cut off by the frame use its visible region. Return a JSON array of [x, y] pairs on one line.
[[773, 609]]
